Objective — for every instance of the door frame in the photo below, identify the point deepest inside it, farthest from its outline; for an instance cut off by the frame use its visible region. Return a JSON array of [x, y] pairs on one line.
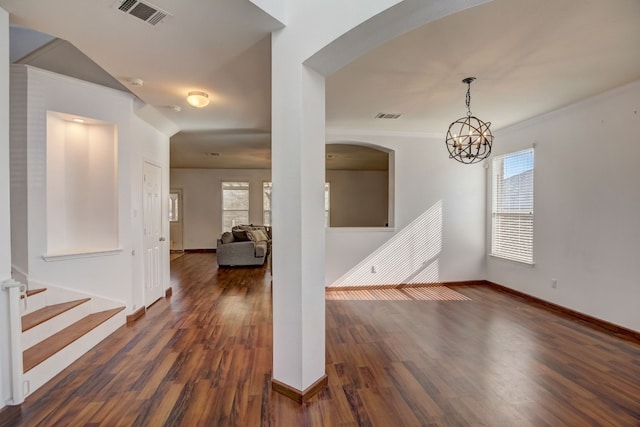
[[180, 221], [164, 217]]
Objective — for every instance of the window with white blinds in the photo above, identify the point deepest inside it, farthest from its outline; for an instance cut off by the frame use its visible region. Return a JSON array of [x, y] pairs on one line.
[[266, 202], [235, 204], [512, 206]]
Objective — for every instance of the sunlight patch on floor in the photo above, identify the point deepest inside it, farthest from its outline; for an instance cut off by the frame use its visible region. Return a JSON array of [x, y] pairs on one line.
[[425, 293]]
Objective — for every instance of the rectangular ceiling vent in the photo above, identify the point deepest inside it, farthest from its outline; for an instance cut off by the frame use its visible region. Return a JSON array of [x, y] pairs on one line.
[[388, 115], [142, 10]]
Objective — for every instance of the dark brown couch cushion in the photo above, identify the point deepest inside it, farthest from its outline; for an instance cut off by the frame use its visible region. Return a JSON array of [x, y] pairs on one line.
[[242, 236]]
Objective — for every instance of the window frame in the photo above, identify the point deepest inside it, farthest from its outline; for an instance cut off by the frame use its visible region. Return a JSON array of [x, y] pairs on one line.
[[512, 227], [327, 204], [266, 184], [174, 206], [222, 201]]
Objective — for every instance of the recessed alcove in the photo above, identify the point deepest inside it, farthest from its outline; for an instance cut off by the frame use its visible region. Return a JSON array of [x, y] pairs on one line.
[[359, 180], [82, 185]]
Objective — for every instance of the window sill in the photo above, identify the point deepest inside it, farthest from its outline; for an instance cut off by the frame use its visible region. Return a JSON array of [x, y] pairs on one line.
[[515, 261], [80, 254], [360, 229]]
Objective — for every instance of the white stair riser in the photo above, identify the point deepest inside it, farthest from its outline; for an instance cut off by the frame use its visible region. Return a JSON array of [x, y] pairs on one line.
[[45, 371], [33, 303], [56, 294], [53, 295], [44, 330]]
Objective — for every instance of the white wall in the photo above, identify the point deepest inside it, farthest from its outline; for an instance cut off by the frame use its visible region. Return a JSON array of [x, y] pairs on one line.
[[116, 275], [202, 201], [587, 207], [150, 145], [439, 205], [5, 230]]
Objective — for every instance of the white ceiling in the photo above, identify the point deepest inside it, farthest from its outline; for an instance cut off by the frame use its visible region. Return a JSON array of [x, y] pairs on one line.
[[530, 57]]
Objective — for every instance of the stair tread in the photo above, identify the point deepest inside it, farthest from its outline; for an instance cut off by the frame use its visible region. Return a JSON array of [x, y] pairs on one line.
[[40, 352], [31, 292], [49, 312]]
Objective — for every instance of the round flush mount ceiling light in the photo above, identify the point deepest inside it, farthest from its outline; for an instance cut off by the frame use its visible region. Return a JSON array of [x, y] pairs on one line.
[[198, 99], [136, 81]]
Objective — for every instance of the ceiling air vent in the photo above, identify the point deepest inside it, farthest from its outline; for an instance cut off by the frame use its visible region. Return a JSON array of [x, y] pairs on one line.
[[388, 115], [142, 10]]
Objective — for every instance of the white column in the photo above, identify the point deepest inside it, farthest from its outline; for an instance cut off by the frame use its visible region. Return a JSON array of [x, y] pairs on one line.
[[5, 227], [325, 35], [298, 221]]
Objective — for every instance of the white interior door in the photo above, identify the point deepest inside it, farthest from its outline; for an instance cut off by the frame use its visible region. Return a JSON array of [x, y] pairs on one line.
[[153, 238]]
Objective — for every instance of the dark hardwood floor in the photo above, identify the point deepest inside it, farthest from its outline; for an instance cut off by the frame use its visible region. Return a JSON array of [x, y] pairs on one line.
[[203, 358]]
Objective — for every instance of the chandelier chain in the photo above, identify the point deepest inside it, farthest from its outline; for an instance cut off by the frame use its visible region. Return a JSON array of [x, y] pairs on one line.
[[468, 100]]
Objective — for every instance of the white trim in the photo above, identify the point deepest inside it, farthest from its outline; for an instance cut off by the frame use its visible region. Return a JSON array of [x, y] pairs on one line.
[[338, 132], [530, 264], [222, 209], [510, 245], [360, 229], [61, 77], [81, 254], [534, 120]]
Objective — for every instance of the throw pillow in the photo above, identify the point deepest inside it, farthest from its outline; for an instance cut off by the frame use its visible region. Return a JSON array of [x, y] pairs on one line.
[[226, 237], [242, 236], [259, 235]]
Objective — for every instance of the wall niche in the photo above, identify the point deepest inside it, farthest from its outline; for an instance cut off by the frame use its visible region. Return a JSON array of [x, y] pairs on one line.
[[82, 185], [359, 185]]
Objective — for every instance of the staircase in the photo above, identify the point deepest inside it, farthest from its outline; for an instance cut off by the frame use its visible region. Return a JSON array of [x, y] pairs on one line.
[[59, 326]]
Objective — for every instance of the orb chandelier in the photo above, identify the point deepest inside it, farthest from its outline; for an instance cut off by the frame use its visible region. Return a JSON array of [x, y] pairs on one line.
[[469, 139]]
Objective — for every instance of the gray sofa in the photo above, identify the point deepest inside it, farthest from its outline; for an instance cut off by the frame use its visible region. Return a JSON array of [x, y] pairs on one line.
[[244, 245]]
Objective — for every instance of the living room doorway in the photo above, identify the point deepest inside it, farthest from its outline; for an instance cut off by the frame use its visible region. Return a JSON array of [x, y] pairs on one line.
[[176, 239]]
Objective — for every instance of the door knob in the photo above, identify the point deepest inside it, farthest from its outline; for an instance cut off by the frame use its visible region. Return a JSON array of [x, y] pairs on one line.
[[162, 239]]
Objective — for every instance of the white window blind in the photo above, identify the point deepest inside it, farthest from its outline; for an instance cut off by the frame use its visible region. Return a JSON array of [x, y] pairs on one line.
[[512, 212], [235, 204], [174, 207], [266, 202], [327, 204]]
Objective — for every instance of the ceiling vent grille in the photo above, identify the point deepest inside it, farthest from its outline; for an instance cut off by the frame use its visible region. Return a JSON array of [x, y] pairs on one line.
[[144, 11], [388, 115]]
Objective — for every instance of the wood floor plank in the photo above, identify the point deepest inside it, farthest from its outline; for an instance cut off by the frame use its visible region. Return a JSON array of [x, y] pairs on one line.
[[203, 358]]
